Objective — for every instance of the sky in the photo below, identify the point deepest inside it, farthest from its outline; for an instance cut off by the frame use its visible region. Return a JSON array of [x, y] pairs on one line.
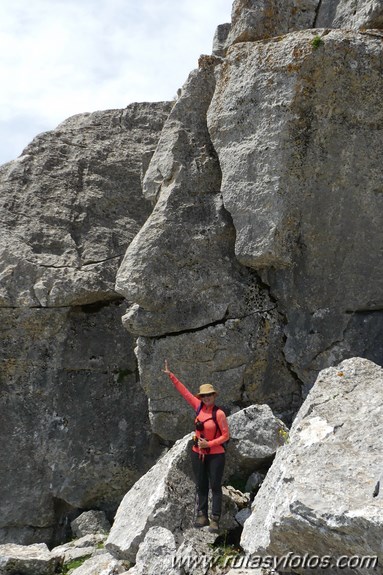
[[66, 57]]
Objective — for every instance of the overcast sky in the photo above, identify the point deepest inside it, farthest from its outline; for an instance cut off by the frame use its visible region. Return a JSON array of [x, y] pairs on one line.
[[65, 57]]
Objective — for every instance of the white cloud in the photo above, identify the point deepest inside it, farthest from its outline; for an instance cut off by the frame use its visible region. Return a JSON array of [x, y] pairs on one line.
[[64, 57]]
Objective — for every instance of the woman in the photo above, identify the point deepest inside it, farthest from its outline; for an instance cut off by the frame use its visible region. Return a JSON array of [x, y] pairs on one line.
[[208, 452]]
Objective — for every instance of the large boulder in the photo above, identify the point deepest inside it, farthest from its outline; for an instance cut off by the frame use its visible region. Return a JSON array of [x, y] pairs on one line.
[[253, 20], [71, 204], [187, 285], [255, 436], [358, 15], [70, 397], [178, 269], [317, 499], [28, 560], [90, 522], [157, 549], [297, 126], [163, 497], [101, 563]]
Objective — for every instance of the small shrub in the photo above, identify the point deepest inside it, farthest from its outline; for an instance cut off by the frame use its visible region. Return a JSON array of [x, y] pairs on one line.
[[225, 555], [67, 567], [316, 42], [122, 374], [284, 435]]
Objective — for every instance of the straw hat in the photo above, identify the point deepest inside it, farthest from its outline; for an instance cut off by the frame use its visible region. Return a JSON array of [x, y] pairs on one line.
[[205, 389]]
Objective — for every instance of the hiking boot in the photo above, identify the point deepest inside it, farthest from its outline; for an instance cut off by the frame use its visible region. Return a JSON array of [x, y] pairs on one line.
[[214, 524], [201, 520]]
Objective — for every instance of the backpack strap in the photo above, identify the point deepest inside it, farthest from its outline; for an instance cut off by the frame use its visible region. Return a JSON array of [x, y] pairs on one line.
[[197, 411], [214, 418]]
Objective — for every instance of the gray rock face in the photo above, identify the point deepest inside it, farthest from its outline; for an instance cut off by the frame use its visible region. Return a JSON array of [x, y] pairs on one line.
[[255, 436], [90, 522], [29, 560], [182, 288], [259, 265], [101, 564], [70, 403], [181, 272], [318, 495], [290, 122], [356, 15], [220, 40], [157, 549], [71, 204], [233, 356], [259, 19], [163, 497], [69, 392]]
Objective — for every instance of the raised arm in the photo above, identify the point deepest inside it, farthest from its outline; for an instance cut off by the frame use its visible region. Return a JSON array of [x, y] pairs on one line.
[[186, 394]]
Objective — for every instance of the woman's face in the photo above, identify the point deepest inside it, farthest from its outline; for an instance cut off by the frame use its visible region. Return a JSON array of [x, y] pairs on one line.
[[208, 399]]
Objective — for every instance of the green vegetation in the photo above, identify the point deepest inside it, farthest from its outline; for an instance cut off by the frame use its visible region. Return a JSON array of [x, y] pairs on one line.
[[316, 42], [67, 567], [284, 435], [122, 374], [225, 555]]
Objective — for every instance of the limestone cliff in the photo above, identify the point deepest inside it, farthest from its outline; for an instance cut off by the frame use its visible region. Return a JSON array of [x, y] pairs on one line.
[[73, 412], [260, 278], [250, 257]]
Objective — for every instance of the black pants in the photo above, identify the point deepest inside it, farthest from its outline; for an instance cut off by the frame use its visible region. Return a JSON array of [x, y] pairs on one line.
[[209, 471]]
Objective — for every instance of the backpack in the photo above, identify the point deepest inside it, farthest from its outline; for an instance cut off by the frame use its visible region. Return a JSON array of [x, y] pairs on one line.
[[214, 418]]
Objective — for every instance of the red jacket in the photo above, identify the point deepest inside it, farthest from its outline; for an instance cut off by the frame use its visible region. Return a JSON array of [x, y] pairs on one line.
[[210, 431]]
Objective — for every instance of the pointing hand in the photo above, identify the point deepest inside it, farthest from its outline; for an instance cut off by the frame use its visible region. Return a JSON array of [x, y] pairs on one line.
[[166, 368]]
